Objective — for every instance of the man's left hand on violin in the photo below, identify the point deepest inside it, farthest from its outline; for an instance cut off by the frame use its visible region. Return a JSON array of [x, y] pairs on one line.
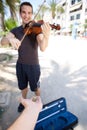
[[46, 29]]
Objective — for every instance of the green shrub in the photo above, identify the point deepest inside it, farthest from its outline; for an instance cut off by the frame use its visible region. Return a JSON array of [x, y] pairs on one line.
[[10, 23]]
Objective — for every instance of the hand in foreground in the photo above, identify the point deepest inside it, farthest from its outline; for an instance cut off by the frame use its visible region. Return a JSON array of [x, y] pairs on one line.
[[34, 104], [28, 118]]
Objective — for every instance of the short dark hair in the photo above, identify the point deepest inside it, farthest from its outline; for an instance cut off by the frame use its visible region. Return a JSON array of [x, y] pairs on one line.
[[26, 3]]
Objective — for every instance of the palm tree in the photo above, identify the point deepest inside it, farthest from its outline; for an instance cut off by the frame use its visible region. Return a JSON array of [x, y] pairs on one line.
[[85, 27], [41, 13], [12, 7], [60, 9], [52, 7], [2, 12]]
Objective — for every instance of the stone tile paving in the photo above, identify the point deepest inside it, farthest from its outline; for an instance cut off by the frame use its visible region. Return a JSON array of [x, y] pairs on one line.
[[4, 99]]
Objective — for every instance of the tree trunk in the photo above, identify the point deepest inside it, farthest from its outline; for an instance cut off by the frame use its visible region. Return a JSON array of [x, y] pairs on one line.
[[2, 27]]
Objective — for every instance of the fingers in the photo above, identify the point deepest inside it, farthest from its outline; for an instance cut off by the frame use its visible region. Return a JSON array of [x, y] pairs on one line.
[[47, 26], [37, 99], [15, 43], [46, 29], [34, 101], [25, 102]]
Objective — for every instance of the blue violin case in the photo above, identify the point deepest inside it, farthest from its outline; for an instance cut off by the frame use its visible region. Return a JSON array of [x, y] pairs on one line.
[[55, 116]]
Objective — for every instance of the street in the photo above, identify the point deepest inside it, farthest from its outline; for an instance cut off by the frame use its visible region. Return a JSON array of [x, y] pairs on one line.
[[63, 74]]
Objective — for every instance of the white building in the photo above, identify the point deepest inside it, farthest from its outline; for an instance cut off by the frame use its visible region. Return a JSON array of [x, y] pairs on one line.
[[75, 12]]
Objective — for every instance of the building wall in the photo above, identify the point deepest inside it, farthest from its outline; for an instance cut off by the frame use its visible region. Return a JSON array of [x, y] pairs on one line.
[[75, 12]]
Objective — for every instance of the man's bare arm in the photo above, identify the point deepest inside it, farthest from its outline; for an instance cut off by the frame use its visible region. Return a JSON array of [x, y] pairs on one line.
[[43, 38], [10, 39]]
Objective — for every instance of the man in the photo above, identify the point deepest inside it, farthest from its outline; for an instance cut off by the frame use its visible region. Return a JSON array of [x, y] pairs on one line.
[[27, 67]]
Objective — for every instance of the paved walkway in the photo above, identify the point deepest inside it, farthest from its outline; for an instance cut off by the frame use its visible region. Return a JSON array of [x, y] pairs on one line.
[[64, 74]]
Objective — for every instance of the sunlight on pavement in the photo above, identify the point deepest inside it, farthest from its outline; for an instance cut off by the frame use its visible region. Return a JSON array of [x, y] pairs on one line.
[[67, 52], [64, 72]]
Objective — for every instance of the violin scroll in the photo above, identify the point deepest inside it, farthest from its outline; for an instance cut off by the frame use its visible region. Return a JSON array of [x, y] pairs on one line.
[[57, 27]]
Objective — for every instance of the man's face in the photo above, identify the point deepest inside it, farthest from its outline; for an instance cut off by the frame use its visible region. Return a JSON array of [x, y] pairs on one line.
[[26, 14]]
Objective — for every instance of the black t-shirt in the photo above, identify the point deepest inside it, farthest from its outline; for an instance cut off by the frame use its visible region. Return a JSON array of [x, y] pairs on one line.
[[28, 51]]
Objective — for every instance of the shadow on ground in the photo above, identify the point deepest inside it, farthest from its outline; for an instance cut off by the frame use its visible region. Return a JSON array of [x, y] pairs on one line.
[[55, 83], [73, 86]]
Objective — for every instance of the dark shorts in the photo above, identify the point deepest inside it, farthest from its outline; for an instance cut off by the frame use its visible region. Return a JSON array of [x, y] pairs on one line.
[[28, 73]]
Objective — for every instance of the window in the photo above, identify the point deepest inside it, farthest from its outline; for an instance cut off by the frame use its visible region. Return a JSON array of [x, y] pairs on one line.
[[78, 16], [72, 18], [85, 10], [58, 17], [72, 2], [78, 0]]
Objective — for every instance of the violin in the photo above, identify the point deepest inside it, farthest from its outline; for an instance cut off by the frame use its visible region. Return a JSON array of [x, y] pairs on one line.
[[35, 27]]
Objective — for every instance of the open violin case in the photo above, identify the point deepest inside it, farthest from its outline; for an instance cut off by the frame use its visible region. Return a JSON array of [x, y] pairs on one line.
[[55, 116]]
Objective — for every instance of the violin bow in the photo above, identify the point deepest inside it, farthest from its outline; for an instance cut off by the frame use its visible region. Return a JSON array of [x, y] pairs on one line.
[[32, 21]]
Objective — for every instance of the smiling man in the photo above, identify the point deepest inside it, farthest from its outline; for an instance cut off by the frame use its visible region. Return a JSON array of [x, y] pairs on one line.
[[27, 67]]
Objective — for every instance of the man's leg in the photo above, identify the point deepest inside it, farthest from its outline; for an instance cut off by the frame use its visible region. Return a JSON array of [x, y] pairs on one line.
[[24, 92], [24, 95], [22, 82], [34, 82], [37, 92]]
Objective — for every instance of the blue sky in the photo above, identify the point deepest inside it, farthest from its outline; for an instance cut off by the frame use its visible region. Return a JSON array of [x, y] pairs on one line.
[[36, 3]]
